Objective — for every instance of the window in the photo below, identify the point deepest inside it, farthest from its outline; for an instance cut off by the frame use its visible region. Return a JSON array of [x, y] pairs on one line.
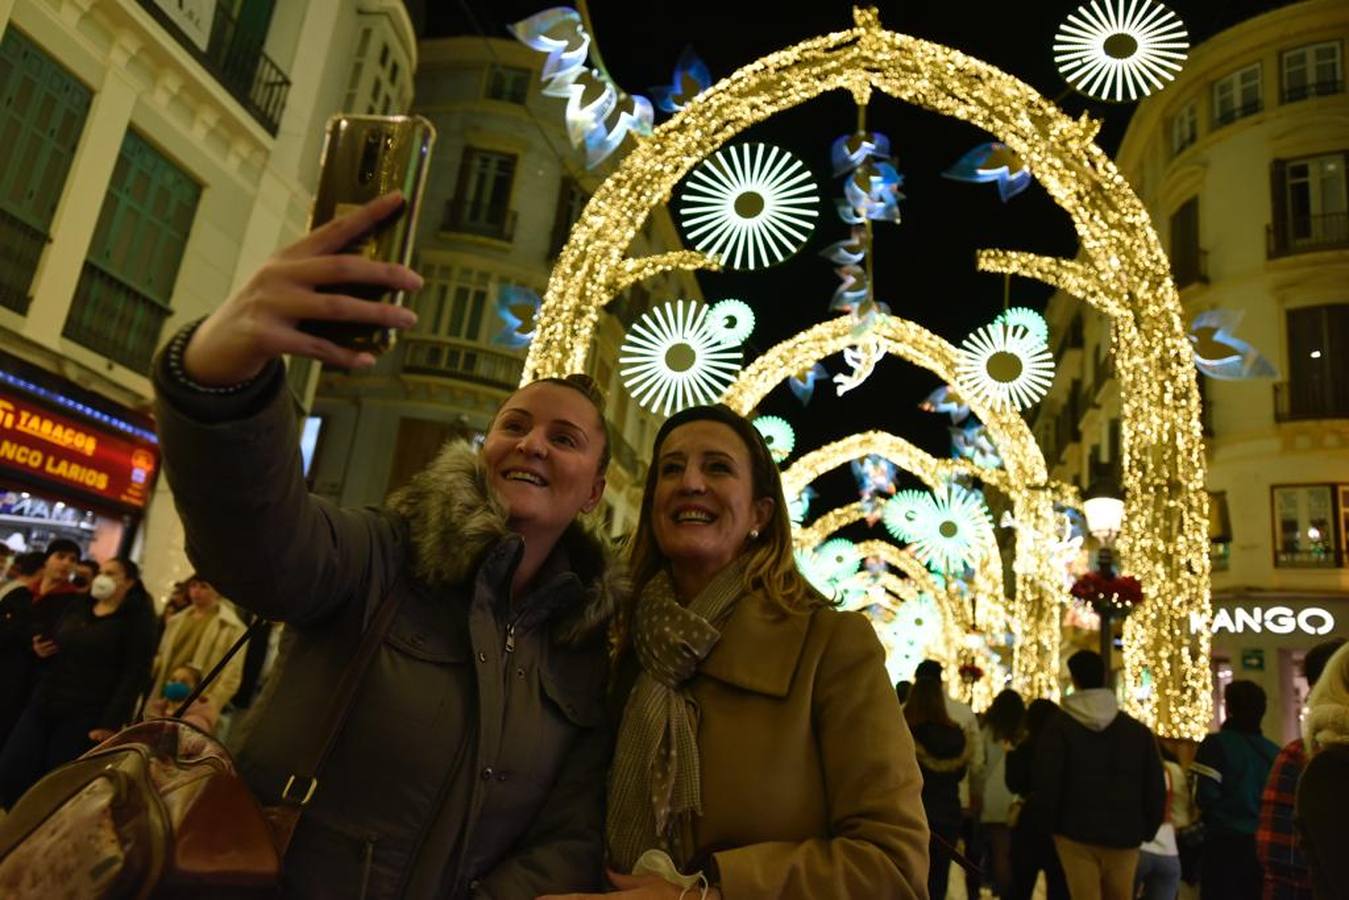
[[124, 291], [42, 113], [508, 83], [1236, 96], [1318, 345], [1219, 531], [1306, 530], [1184, 127], [1310, 204], [455, 322], [1188, 265], [380, 96], [1312, 71], [571, 200], [482, 204]]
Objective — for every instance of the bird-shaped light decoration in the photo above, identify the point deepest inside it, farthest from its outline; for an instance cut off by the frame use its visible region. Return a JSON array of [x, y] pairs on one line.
[[516, 306], [802, 384], [946, 399], [972, 441], [799, 506], [992, 162], [851, 150], [871, 192], [691, 78], [847, 253], [862, 359], [875, 475], [1220, 354]]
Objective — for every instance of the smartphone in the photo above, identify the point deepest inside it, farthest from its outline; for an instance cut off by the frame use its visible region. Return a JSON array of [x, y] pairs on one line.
[[365, 157]]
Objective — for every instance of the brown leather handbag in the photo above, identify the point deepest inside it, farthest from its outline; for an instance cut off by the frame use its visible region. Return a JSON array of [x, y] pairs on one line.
[[158, 810]]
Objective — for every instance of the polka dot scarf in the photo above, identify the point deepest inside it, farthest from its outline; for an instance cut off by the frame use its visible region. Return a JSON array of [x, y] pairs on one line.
[[654, 783]]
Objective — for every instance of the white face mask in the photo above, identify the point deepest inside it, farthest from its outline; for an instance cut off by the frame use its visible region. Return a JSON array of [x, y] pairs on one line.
[[103, 587]]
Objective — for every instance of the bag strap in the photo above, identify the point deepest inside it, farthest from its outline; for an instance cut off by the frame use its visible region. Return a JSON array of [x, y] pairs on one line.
[[255, 628], [311, 764]]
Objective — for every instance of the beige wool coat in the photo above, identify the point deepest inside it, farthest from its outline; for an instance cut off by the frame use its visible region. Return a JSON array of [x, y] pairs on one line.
[[810, 788]]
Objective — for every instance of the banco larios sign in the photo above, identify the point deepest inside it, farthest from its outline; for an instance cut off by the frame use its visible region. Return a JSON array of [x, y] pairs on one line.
[[38, 442], [1311, 620]]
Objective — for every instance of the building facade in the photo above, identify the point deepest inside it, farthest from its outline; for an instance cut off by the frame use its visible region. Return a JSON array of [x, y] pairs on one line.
[[156, 153], [1241, 164], [505, 187]]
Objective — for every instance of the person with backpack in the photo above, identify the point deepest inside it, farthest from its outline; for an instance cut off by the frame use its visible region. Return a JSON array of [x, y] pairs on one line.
[[1159, 871], [1229, 770]]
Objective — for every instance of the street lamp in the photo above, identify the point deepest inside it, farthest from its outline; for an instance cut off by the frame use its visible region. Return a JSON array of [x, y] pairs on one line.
[[1103, 506]]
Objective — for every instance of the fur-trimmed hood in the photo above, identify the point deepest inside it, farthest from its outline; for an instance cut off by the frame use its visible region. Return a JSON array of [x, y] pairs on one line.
[[1325, 724], [453, 519], [943, 739]]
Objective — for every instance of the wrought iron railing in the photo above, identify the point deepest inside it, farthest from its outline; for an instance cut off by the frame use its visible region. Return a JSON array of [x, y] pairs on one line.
[[1314, 89], [1305, 234], [20, 248], [1298, 400], [465, 360], [114, 319], [249, 74], [493, 220], [1228, 116], [1308, 559]]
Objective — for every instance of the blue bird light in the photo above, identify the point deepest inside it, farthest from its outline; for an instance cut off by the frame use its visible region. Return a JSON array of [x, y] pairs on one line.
[[691, 78], [992, 162], [802, 384], [517, 307], [1220, 354]]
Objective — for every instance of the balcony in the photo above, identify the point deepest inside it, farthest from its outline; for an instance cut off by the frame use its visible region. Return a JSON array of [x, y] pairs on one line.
[[1294, 402], [460, 359], [1308, 559], [114, 319], [1306, 234], [1315, 89], [1228, 116], [236, 60], [1190, 268], [490, 220], [20, 247]]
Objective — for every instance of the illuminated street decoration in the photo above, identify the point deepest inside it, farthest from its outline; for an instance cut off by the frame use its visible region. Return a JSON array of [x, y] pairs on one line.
[[1220, 354], [751, 206], [901, 514], [871, 192], [852, 291], [673, 359], [798, 506], [875, 475], [1120, 270], [691, 78], [732, 320], [946, 399], [994, 162], [600, 123], [1114, 47], [849, 252], [516, 306], [802, 384], [862, 360], [851, 150], [1029, 319], [972, 441], [948, 529], [1005, 366], [778, 435]]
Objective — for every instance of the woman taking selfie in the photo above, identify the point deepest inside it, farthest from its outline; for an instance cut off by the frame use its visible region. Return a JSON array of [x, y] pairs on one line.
[[761, 749], [472, 763]]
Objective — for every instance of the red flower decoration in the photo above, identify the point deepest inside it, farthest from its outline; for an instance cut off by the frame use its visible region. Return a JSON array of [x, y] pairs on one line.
[[970, 673], [1120, 593]]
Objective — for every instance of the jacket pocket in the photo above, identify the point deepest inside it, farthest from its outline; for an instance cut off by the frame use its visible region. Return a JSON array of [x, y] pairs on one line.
[[573, 688], [327, 859]]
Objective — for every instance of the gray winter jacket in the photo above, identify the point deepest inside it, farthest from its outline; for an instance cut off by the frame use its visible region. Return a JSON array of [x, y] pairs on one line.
[[473, 763]]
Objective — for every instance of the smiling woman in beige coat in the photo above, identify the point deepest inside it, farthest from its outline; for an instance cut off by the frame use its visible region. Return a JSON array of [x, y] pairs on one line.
[[762, 751]]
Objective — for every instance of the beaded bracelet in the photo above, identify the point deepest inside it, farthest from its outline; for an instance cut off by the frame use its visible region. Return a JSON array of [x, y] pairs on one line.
[[174, 355]]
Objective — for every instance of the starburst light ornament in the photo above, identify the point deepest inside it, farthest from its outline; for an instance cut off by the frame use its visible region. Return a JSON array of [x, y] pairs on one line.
[[1005, 366], [901, 513], [673, 358], [949, 529], [778, 435], [751, 205], [733, 320], [1117, 47], [1028, 319]]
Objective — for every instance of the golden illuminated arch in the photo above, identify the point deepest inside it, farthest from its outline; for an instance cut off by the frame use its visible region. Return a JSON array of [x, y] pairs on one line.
[[1121, 270]]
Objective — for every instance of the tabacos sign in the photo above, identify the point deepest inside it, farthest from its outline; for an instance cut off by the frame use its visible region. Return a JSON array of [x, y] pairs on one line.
[[37, 442], [1311, 620]]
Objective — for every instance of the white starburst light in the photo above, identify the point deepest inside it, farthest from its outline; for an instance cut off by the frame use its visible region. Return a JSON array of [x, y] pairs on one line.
[[673, 358], [733, 320], [900, 512], [751, 205], [1005, 366], [1117, 47], [778, 435], [1029, 319], [950, 529]]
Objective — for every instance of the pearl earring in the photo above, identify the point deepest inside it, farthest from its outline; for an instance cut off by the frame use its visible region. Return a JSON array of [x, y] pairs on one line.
[[754, 534]]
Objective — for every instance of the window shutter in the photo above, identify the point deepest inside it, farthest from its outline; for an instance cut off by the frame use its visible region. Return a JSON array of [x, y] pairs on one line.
[[1278, 203]]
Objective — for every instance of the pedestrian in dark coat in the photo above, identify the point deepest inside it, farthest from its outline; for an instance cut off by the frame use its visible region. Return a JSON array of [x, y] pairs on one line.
[[943, 756], [1323, 793], [1032, 837], [473, 761]]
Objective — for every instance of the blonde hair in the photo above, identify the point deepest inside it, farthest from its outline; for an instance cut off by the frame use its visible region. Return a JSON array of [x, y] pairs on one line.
[[1327, 720], [770, 564]]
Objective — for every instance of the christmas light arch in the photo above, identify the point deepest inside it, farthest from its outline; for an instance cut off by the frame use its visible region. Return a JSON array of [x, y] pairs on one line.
[[1121, 270]]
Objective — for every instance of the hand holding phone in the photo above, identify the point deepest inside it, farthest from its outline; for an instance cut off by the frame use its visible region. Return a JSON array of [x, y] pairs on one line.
[[260, 322], [44, 646]]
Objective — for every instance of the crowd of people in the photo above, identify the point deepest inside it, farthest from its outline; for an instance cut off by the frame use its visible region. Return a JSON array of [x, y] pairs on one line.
[[543, 718], [1091, 800]]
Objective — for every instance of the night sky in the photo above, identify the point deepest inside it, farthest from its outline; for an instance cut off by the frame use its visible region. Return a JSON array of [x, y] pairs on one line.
[[924, 266]]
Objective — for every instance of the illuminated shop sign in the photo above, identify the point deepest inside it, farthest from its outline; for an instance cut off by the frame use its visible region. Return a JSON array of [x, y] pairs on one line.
[[63, 452], [1312, 620]]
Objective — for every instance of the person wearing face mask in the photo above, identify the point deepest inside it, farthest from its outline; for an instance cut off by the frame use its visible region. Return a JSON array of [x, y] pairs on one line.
[[182, 681], [472, 762], [89, 688], [199, 637], [762, 752]]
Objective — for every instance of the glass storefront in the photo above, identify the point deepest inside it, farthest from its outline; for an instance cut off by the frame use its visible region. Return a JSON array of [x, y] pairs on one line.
[[30, 521]]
